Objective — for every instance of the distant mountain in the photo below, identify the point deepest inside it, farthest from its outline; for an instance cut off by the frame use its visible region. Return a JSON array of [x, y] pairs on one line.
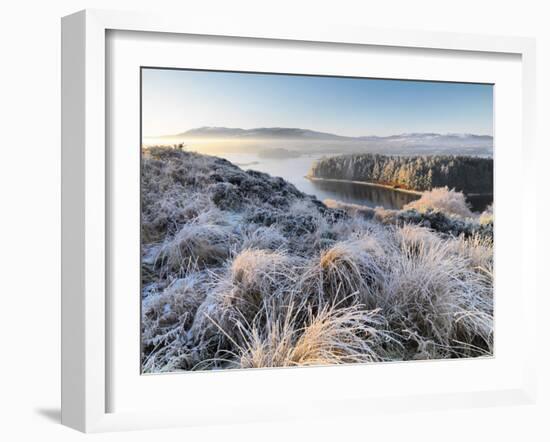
[[212, 132], [285, 133], [428, 140], [310, 141], [306, 134]]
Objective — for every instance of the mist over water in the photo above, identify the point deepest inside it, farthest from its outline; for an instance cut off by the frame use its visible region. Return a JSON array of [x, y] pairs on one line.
[[292, 159], [294, 171]]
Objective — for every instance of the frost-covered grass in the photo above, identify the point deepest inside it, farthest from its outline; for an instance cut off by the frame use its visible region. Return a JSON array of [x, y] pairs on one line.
[[241, 270], [327, 335]]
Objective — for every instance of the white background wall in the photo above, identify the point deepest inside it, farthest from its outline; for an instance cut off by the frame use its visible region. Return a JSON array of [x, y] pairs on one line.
[[30, 221]]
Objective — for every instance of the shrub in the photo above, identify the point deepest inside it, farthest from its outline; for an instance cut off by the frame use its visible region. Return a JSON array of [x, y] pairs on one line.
[[486, 216], [443, 200]]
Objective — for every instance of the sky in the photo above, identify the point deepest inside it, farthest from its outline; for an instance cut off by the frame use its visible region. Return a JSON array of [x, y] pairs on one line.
[[174, 101]]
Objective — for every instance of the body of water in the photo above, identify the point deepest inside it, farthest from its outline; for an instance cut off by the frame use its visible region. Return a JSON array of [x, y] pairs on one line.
[[294, 171]]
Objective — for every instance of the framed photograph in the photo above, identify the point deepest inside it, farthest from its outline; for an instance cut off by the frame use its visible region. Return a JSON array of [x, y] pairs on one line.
[[262, 223]]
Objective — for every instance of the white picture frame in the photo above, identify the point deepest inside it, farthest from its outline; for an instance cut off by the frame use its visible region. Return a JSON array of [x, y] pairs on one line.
[[86, 314]]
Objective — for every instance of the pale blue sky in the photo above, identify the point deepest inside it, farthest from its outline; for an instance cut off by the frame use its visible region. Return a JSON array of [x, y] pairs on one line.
[[174, 101]]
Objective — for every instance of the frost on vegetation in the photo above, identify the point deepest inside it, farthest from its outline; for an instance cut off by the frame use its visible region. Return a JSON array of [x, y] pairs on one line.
[[468, 174], [486, 216], [442, 210], [241, 270], [441, 199]]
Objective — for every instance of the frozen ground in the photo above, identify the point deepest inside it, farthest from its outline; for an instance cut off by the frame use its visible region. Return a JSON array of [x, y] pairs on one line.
[[242, 270]]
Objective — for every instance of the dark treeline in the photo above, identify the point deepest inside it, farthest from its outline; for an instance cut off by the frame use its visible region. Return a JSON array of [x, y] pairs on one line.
[[466, 174]]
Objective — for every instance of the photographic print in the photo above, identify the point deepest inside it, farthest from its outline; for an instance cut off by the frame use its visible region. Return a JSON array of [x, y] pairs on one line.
[[303, 220]]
